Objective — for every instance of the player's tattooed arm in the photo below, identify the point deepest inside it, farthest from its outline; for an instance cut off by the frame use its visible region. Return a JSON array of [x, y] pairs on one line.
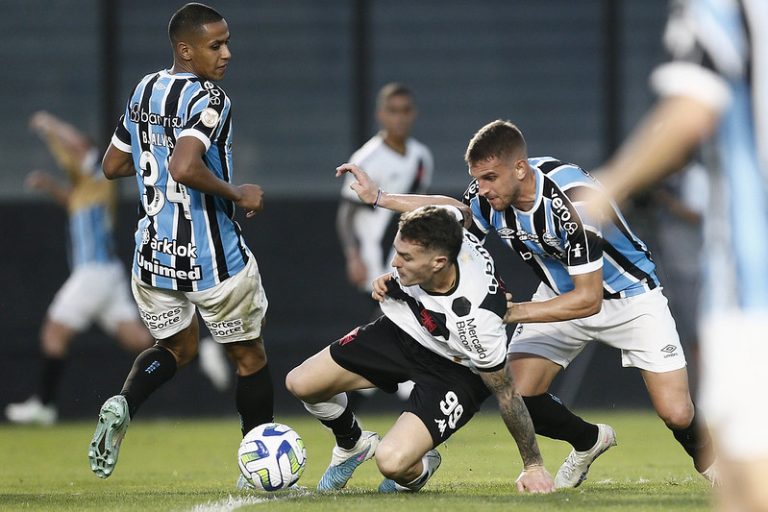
[[534, 477], [515, 414]]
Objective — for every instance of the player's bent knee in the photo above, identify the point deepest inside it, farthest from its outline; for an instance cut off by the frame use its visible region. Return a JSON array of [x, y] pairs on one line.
[[391, 460], [298, 385], [676, 416]]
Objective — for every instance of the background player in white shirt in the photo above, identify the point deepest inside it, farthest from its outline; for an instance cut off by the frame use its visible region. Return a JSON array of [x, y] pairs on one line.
[[442, 327], [400, 164], [717, 85]]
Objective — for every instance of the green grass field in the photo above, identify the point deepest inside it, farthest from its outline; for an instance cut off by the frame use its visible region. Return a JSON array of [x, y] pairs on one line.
[[190, 464]]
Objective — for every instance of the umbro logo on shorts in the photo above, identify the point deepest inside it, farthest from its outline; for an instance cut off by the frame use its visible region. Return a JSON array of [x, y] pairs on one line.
[[669, 349]]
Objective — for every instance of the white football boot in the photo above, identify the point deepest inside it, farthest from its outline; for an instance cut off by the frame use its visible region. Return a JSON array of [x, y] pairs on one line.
[[31, 412], [576, 466]]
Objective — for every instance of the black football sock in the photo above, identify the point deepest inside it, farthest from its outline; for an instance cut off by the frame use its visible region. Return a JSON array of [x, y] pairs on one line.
[[345, 428], [552, 419], [254, 398], [696, 442], [151, 369], [53, 368]]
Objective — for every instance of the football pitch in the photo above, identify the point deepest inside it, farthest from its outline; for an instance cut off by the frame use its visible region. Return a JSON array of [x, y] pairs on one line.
[[190, 465]]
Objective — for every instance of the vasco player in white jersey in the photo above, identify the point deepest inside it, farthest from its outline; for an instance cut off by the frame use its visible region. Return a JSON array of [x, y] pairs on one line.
[[717, 85], [400, 164], [175, 137], [442, 328]]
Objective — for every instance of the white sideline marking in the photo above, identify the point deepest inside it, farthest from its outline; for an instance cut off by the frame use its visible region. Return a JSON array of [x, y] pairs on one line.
[[228, 504], [231, 503]]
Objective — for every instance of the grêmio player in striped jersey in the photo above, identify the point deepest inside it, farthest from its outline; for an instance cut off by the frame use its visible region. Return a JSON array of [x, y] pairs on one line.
[[175, 137], [598, 283]]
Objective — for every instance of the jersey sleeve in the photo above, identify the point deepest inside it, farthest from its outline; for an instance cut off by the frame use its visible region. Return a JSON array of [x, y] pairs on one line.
[[208, 114], [707, 46], [121, 139], [579, 231], [481, 211]]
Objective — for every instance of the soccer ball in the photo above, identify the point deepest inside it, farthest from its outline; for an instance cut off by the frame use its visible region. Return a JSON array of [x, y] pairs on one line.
[[272, 456]]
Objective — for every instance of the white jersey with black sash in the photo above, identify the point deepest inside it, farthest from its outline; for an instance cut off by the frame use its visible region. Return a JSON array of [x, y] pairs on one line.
[[464, 324]]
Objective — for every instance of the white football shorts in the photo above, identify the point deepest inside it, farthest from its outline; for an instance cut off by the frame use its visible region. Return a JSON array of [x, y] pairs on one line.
[[233, 310], [640, 326], [734, 382], [94, 293]]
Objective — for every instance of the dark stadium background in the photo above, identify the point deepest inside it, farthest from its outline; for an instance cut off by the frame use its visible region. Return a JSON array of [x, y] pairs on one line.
[[571, 74]]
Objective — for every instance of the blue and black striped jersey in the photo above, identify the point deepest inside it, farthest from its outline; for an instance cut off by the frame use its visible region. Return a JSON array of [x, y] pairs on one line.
[[91, 207], [558, 239], [185, 240], [720, 58]]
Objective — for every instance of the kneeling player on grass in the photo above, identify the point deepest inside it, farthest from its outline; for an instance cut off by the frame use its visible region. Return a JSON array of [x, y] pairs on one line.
[[442, 328]]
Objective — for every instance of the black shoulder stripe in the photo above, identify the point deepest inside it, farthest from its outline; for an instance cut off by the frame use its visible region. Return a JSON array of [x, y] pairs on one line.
[[579, 193], [193, 101], [216, 96], [550, 165]]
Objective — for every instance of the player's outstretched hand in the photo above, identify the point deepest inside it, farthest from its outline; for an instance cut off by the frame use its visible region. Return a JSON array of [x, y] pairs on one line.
[[41, 122], [535, 479], [365, 188], [252, 199], [380, 287]]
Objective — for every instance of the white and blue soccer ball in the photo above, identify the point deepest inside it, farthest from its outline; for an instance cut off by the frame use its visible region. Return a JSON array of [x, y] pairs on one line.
[[272, 456]]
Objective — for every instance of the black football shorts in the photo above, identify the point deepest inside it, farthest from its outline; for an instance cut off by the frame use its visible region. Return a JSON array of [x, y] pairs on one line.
[[446, 394]]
